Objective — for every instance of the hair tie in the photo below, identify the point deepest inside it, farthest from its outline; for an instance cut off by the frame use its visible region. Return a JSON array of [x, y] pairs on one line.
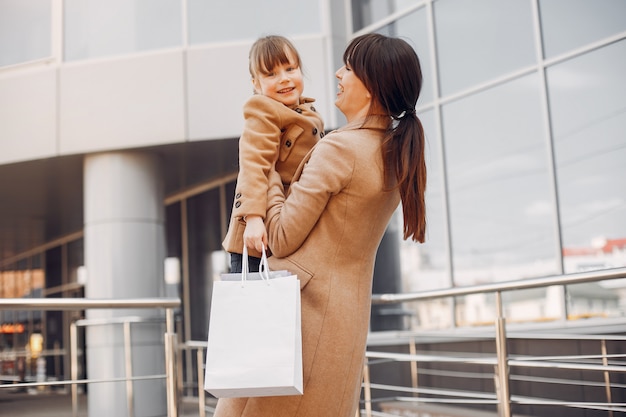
[[404, 114]]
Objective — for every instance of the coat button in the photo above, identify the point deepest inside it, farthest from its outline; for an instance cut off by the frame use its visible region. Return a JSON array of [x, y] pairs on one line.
[[283, 130], [238, 195], [298, 110], [322, 134], [313, 108], [238, 204], [288, 144], [314, 131]]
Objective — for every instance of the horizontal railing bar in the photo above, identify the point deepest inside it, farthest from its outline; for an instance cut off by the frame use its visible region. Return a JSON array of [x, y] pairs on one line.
[[474, 334], [406, 357], [434, 391], [68, 304], [194, 344], [82, 381], [568, 357], [566, 365], [539, 401], [514, 399], [562, 381], [473, 375], [14, 354], [375, 413], [429, 400], [118, 320], [569, 279], [552, 336]]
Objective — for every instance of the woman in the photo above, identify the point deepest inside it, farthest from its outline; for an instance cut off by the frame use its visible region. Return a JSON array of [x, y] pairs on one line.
[[327, 230]]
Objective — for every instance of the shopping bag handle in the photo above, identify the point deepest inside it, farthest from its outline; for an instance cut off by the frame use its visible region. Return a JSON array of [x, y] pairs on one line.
[[264, 268]]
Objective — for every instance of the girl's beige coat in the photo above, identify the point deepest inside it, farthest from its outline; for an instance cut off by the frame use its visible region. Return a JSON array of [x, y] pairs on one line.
[[327, 232], [272, 133]]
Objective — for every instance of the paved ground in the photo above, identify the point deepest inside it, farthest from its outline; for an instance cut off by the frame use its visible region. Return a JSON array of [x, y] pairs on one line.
[[51, 404]]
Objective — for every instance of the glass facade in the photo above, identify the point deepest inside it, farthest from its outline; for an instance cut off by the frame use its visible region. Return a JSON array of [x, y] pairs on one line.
[[570, 24], [481, 40], [588, 109], [499, 182], [25, 28], [244, 20], [524, 172]]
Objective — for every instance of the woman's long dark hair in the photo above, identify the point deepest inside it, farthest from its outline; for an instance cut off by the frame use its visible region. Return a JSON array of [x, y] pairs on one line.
[[390, 70]]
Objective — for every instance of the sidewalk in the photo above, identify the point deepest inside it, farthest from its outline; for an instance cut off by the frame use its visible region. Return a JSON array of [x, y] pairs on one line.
[[51, 404]]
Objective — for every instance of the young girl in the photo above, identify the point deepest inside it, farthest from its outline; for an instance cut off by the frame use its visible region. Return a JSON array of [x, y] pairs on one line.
[[281, 126]]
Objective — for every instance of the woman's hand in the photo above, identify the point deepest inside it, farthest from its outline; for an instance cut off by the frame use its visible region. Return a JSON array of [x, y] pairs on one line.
[[255, 235]]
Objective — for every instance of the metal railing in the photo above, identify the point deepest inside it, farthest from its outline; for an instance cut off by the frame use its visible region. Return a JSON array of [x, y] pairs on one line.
[[502, 361], [198, 384], [74, 304]]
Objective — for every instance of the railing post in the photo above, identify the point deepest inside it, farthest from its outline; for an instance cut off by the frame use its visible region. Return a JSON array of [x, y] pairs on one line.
[[74, 367], [414, 374], [128, 368], [170, 363], [201, 396], [180, 377], [502, 368], [367, 392], [607, 376]]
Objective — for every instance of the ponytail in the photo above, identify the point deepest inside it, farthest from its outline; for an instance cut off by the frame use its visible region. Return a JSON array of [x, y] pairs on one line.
[[403, 154]]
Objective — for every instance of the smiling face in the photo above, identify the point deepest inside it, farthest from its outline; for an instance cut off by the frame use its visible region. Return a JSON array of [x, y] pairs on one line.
[[353, 99], [283, 83]]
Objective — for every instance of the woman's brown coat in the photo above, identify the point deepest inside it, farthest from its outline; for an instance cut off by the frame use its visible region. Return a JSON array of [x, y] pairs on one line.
[[327, 232], [272, 133]]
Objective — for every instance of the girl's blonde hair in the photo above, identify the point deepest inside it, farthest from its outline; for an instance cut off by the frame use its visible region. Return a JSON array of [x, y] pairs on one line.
[[268, 52]]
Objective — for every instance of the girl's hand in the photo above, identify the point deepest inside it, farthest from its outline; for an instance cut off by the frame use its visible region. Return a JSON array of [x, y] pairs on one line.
[[255, 235]]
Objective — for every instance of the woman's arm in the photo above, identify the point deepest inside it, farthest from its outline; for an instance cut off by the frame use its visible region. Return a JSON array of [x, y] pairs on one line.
[[291, 219]]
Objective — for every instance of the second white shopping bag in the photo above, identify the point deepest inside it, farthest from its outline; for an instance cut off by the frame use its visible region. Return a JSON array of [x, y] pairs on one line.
[[255, 339]]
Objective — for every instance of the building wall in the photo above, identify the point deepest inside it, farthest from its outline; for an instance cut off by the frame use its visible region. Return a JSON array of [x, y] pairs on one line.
[[134, 101]]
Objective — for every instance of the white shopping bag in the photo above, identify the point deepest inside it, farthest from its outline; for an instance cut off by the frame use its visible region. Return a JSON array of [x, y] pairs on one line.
[[255, 339]]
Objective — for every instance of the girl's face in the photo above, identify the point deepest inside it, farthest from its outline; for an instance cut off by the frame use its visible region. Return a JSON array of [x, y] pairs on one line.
[[283, 83], [353, 99]]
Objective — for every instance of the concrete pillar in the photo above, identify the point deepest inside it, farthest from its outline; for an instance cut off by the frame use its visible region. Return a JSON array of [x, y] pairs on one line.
[[124, 258]]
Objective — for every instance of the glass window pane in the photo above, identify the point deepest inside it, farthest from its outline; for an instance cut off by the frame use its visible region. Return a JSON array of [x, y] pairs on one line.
[[95, 28], [588, 106], [595, 299], [243, 20], [569, 24], [501, 209], [481, 39], [24, 30], [414, 29], [366, 12]]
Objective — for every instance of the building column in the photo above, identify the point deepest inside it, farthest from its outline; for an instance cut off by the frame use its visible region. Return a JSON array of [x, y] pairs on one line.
[[124, 258]]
